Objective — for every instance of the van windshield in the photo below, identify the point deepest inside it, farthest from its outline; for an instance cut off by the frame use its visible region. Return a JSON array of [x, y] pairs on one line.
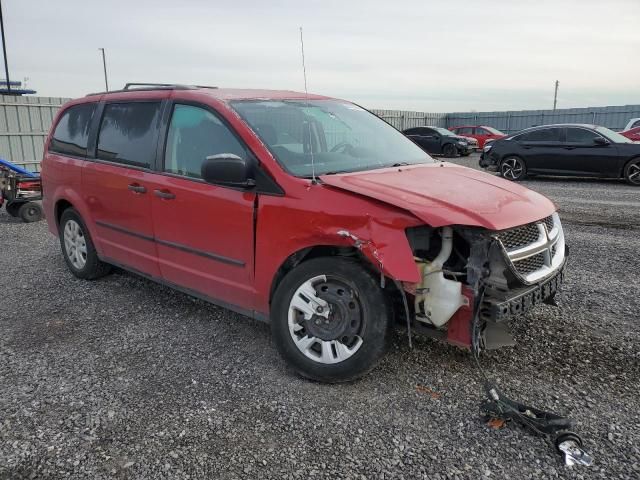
[[338, 136]]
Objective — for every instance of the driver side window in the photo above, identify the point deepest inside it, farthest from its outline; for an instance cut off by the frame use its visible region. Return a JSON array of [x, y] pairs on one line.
[[194, 134]]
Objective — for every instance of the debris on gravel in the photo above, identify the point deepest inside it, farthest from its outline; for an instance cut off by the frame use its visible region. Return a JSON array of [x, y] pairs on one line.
[[123, 378]]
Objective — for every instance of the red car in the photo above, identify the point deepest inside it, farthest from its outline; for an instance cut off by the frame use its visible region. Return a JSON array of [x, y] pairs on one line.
[[481, 133], [633, 134], [301, 210]]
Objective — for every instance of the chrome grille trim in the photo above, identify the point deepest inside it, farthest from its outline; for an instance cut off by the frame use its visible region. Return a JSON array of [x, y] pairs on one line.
[[534, 251]]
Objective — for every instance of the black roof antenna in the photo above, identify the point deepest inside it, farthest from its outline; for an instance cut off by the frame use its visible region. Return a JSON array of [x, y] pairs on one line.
[[306, 93]]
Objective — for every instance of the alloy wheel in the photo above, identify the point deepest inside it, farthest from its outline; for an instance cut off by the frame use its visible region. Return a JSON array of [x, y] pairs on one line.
[[633, 173], [75, 244], [325, 320], [512, 168]]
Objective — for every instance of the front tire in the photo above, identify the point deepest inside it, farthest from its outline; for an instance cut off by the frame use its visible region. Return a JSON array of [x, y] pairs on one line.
[[632, 172], [330, 319], [78, 249], [513, 168], [450, 150]]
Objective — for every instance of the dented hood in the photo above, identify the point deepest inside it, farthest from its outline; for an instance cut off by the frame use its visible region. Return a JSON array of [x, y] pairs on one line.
[[447, 194]]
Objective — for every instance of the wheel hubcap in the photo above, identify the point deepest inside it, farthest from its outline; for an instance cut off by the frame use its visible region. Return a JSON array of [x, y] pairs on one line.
[[325, 320], [75, 244], [634, 173], [512, 168]]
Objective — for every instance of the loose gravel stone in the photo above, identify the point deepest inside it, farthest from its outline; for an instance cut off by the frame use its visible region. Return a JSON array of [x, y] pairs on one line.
[[123, 378]]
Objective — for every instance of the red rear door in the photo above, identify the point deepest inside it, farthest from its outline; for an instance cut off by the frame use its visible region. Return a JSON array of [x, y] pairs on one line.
[[204, 233], [116, 185]]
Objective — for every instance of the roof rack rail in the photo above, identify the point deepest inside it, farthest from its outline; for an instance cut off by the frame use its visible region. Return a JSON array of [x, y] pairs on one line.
[[169, 86], [142, 86]]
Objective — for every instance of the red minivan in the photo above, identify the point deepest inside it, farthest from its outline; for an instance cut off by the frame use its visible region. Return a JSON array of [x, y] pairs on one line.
[[304, 211]]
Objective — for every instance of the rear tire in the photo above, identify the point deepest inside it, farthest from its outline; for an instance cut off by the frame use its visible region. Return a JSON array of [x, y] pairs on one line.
[[330, 319], [12, 208], [77, 247], [632, 172], [450, 150], [30, 212], [513, 168]]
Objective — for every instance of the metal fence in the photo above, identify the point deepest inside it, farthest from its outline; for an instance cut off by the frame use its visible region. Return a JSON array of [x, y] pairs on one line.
[[24, 124], [25, 121], [615, 118], [402, 119]]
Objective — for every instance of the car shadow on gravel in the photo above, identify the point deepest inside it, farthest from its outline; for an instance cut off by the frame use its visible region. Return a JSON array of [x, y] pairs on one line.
[[9, 219], [575, 180]]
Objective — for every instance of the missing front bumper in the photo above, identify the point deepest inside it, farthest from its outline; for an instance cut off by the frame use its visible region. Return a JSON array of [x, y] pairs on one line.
[[501, 306]]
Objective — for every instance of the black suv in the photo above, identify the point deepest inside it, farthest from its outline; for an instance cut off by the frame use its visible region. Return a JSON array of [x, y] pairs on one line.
[[439, 141]]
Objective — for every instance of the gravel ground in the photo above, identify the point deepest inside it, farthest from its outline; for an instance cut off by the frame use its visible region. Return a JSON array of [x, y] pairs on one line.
[[123, 378]]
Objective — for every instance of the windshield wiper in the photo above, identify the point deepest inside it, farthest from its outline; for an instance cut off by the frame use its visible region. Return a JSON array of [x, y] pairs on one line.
[[336, 172], [400, 164]]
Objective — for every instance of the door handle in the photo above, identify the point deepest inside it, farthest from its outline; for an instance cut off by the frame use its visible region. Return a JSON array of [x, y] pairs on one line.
[[164, 194], [569, 148], [137, 188]]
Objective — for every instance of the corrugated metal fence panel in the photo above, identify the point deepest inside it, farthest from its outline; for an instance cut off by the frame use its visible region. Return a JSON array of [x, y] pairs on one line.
[[24, 124], [406, 119], [25, 121], [614, 117]]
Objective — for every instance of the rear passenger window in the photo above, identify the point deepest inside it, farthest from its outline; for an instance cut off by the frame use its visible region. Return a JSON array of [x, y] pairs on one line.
[[542, 135], [128, 133], [195, 134], [72, 132]]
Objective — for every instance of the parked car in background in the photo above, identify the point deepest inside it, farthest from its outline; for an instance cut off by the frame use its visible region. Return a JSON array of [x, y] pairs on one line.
[[439, 141], [481, 133], [568, 149], [304, 211], [633, 123], [633, 134], [473, 144]]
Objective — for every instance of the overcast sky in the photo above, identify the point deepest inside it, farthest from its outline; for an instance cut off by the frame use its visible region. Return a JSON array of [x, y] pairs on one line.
[[428, 55]]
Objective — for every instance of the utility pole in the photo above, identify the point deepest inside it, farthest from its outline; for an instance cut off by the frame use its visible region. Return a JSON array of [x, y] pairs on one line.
[[104, 66], [4, 51], [555, 97]]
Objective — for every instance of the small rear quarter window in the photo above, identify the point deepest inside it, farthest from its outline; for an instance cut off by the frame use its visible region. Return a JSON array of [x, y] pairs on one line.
[[72, 131]]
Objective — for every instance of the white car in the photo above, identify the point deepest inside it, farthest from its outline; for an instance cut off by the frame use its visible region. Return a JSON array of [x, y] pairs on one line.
[[633, 123]]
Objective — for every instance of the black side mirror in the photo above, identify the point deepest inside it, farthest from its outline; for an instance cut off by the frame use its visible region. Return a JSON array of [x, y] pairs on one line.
[[601, 141], [228, 170]]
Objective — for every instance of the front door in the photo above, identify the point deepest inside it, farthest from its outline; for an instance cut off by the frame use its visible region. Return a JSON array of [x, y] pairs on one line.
[[583, 156], [203, 232], [482, 135], [429, 140], [115, 186]]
